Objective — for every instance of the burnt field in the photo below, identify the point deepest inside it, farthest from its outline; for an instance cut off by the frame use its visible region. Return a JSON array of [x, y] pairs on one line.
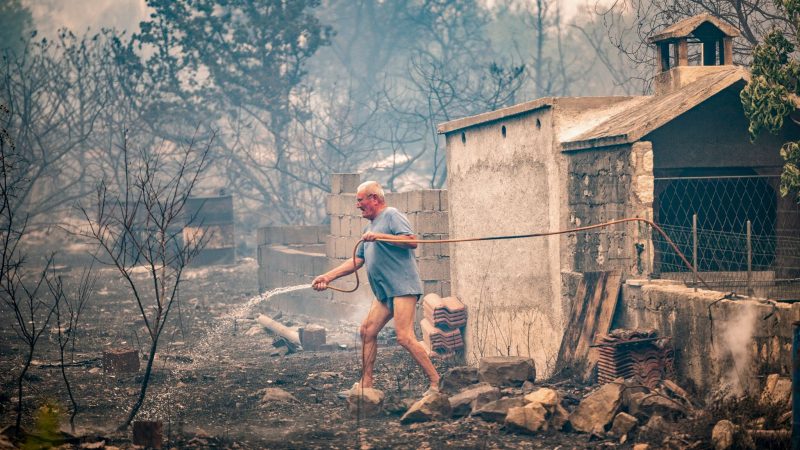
[[212, 369]]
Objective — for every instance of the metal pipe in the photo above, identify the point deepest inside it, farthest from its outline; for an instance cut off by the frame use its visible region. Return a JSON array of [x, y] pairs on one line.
[[749, 260], [796, 386], [694, 249]]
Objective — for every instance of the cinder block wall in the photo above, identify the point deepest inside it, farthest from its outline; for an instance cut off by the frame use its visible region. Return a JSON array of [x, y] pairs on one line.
[[290, 255], [426, 210]]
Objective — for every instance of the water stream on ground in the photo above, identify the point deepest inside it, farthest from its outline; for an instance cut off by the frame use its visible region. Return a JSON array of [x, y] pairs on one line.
[[206, 351]]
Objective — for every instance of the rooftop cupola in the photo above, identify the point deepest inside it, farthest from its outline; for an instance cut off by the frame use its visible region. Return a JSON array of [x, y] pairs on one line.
[[698, 41]]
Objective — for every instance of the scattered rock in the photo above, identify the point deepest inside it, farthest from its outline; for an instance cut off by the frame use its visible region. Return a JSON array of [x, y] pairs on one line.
[[506, 370], [529, 418], [528, 387], [547, 397], [622, 425], [599, 407], [277, 395], [496, 411], [430, 407], [364, 402], [777, 391], [657, 404], [279, 351], [722, 435], [458, 378], [641, 447], [254, 330], [464, 402], [560, 417]]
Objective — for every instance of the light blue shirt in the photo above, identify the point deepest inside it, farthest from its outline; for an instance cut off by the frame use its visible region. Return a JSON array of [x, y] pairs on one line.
[[392, 270]]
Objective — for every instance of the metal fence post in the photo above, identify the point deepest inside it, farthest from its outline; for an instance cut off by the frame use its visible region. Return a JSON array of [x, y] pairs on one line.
[[694, 249], [796, 386], [749, 260]]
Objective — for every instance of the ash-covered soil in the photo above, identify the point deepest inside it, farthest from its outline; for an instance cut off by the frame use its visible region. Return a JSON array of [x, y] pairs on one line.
[[211, 371]]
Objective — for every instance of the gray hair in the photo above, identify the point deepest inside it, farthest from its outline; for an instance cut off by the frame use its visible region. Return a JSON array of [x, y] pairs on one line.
[[372, 187]]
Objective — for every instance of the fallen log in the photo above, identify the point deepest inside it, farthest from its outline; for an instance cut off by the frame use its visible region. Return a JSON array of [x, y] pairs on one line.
[[291, 335]]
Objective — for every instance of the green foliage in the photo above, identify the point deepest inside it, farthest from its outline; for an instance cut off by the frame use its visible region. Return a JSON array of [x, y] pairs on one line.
[[45, 433], [771, 95]]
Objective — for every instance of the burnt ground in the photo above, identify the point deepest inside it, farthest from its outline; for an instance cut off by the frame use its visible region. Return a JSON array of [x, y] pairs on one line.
[[211, 372]]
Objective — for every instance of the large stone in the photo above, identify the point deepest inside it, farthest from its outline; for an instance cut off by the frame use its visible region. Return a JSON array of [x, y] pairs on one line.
[[655, 404], [641, 447], [497, 410], [529, 418], [364, 402], [597, 408], [462, 403], [777, 391], [547, 397], [458, 378], [622, 425], [312, 337], [121, 360], [431, 407], [723, 434], [277, 395], [506, 370]]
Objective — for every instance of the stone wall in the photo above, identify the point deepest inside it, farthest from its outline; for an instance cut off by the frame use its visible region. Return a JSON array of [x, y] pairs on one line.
[[718, 343], [605, 185]]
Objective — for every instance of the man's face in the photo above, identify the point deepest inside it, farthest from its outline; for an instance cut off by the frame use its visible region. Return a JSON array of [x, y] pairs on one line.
[[368, 204]]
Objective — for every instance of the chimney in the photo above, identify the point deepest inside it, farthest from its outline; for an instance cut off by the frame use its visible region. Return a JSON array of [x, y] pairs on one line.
[[710, 35]]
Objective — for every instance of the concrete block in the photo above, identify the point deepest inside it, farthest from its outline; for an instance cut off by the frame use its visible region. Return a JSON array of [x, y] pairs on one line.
[[121, 360], [330, 246], [350, 182], [357, 225], [415, 202], [432, 287], [148, 434], [432, 222], [446, 289], [312, 337], [347, 205], [336, 225], [344, 182], [443, 201], [434, 269], [430, 200], [329, 206], [399, 200]]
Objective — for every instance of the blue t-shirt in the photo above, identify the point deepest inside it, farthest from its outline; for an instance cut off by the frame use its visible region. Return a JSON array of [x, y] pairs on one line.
[[392, 270]]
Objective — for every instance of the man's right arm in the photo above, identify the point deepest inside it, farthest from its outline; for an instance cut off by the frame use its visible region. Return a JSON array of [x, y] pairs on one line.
[[320, 283]]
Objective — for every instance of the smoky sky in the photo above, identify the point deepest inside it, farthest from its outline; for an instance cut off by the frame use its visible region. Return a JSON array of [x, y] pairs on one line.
[[78, 15]]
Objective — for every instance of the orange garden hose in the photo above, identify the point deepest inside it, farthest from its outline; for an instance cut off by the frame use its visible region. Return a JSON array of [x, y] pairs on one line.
[[520, 236]]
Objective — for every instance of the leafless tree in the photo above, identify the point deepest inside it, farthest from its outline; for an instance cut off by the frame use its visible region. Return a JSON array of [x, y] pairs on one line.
[[140, 224], [68, 308], [19, 287]]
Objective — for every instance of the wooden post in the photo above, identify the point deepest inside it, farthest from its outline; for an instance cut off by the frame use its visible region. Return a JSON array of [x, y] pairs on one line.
[[681, 53], [727, 43]]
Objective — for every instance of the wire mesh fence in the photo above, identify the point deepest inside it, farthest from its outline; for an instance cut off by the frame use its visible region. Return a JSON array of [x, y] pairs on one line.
[[735, 230]]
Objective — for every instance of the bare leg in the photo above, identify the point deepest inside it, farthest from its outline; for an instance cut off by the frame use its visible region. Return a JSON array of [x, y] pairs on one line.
[[377, 317], [404, 314]]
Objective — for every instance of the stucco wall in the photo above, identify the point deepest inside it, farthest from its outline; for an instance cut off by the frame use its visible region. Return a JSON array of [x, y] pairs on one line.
[[504, 185], [718, 343]]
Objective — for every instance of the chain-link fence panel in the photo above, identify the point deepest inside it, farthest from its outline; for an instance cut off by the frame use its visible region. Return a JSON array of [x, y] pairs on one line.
[[734, 230]]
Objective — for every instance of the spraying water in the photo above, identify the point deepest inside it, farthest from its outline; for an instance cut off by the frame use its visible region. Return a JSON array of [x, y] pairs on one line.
[[206, 349]]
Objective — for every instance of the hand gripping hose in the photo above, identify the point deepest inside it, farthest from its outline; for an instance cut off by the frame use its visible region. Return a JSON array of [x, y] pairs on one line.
[[520, 236]]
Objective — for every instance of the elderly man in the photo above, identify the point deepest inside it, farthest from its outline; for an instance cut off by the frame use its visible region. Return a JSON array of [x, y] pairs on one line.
[[393, 276]]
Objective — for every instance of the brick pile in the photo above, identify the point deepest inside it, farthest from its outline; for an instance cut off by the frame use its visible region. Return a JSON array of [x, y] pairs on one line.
[[442, 325]]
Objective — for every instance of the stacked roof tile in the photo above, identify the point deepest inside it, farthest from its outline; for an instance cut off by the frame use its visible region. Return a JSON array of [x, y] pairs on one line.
[[637, 354], [444, 319]]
